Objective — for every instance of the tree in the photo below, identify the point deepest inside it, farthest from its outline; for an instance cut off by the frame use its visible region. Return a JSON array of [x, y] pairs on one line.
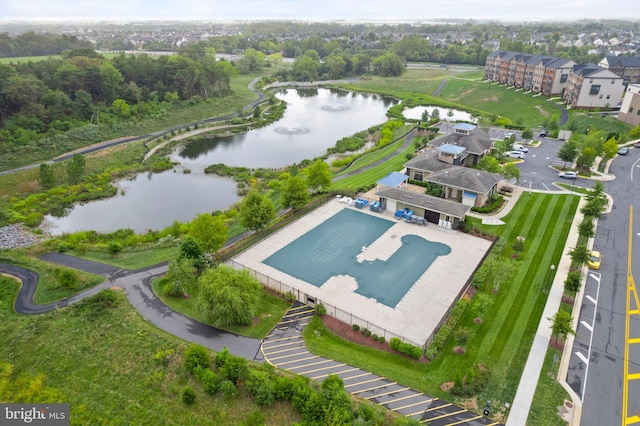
[[572, 283], [580, 255], [568, 152], [561, 324], [511, 171], [489, 164], [388, 65], [75, 168], [210, 232], [111, 78], [295, 193], [611, 148], [256, 210], [586, 228], [46, 177], [179, 278], [597, 193], [586, 158], [527, 134], [318, 175], [228, 296]]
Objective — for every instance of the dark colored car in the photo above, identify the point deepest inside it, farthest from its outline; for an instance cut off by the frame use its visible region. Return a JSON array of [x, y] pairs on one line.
[[543, 133]]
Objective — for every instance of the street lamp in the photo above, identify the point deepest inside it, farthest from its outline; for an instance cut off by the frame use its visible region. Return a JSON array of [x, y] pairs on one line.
[[549, 278]]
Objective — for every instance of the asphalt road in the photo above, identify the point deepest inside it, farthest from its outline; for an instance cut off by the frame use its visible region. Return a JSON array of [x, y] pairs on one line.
[[596, 369]]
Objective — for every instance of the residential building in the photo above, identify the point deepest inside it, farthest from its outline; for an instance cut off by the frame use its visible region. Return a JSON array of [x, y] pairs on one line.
[[627, 67], [536, 73], [592, 87], [630, 109]]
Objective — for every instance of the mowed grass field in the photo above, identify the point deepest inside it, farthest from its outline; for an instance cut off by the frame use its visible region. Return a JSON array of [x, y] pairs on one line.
[[102, 359], [502, 342]]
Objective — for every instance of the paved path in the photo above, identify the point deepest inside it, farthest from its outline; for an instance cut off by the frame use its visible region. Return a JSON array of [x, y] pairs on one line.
[[137, 287], [285, 348]]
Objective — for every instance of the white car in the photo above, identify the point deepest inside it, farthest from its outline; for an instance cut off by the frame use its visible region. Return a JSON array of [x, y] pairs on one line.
[[568, 175], [515, 154], [507, 135]]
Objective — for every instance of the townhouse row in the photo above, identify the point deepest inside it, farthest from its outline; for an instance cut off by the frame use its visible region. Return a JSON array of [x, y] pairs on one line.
[[582, 86]]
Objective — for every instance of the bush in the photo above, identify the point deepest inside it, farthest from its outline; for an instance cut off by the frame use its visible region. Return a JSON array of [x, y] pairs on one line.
[[355, 327], [66, 278], [572, 283], [405, 348], [106, 298], [228, 389], [366, 332], [114, 248], [472, 383], [210, 381], [462, 336], [235, 369], [63, 247], [492, 204], [196, 356], [255, 418], [321, 310], [374, 337], [381, 339], [188, 396]]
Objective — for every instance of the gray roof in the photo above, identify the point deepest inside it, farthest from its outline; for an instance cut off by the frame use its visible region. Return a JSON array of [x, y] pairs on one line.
[[473, 180], [451, 149], [625, 61], [427, 162], [426, 202], [477, 142]]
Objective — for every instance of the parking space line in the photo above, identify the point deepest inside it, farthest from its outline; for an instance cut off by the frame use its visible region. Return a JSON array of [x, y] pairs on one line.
[[336, 373], [635, 340], [288, 356], [324, 361], [408, 405], [375, 387], [298, 360], [279, 345], [439, 406], [586, 325], [464, 421], [442, 416], [279, 340], [386, 393], [357, 375], [363, 383], [321, 369]]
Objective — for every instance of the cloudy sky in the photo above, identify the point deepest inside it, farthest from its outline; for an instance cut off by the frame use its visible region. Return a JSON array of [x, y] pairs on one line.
[[314, 9]]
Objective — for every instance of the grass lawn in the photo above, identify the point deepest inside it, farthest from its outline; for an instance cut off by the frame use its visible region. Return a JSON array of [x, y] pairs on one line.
[[102, 360], [134, 259], [606, 125], [549, 394], [271, 309], [502, 341], [412, 81], [494, 99], [49, 290]]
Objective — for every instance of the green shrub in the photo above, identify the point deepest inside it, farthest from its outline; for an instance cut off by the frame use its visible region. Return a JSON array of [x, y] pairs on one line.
[[462, 336], [405, 348], [492, 204], [374, 337], [321, 310], [472, 383], [573, 282], [235, 369], [63, 247], [114, 248], [222, 357], [106, 298], [66, 278], [255, 418], [196, 356], [228, 389], [381, 339], [210, 381], [188, 396], [356, 327]]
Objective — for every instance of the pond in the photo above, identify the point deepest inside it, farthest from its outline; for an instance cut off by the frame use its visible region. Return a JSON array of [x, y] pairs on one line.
[[415, 113], [150, 201], [315, 120]]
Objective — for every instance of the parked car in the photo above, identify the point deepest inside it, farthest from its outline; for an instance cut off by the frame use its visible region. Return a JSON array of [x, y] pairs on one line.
[[543, 133], [521, 148], [515, 154], [637, 144], [507, 135], [568, 175], [623, 150], [594, 260]]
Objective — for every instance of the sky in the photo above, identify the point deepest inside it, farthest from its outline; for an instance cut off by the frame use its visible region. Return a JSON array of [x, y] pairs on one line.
[[317, 10]]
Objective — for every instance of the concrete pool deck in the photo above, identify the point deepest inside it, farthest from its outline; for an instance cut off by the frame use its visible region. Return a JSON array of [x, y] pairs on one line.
[[421, 309]]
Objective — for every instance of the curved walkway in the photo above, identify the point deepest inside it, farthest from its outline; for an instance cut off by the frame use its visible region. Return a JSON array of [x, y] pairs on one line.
[[137, 287]]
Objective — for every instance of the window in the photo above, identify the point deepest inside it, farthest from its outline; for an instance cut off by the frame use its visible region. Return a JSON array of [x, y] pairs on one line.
[[600, 97], [563, 78], [417, 176], [613, 81], [595, 89], [608, 96], [591, 81], [630, 109], [638, 113]]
